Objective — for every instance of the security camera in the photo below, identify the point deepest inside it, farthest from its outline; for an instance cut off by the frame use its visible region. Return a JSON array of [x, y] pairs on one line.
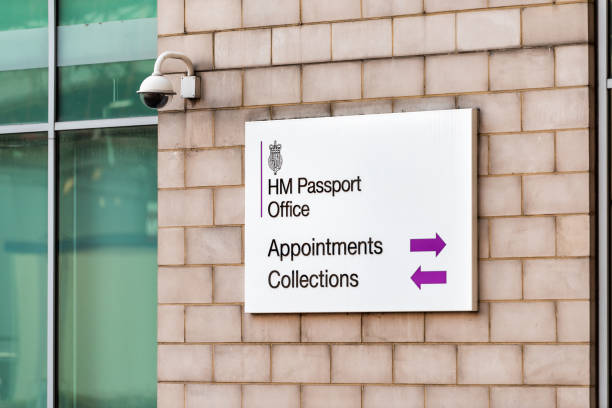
[[156, 90]]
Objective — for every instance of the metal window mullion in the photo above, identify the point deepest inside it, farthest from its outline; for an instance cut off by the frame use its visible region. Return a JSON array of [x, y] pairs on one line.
[[106, 123], [51, 213], [603, 203]]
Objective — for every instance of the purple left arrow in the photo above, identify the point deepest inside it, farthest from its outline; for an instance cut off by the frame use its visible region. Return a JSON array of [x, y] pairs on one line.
[[428, 277]]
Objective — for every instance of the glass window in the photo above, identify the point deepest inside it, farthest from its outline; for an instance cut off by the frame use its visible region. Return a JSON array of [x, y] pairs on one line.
[[23, 66], [105, 49], [23, 270], [107, 268]]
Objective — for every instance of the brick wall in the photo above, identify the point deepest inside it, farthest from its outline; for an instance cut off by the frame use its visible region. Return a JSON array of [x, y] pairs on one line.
[[526, 64]]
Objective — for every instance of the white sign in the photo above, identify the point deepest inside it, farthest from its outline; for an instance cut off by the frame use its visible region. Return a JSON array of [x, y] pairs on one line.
[[371, 213]]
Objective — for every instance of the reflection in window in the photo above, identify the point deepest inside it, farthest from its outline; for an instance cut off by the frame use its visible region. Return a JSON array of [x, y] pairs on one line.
[[23, 270], [107, 268], [23, 65], [105, 49]]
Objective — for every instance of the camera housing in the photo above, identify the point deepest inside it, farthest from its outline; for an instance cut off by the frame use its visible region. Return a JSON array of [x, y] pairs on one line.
[[156, 90]]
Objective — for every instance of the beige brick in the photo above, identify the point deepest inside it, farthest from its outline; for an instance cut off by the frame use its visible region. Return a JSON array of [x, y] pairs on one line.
[[170, 395], [457, 397], [361, 107], [446, 73], [271, 328], [212, 323], [170, 324], [573, 235], [170, 16], [444, 5], [573, 321], [455, 327], [557, 364], [229, 205], [257, 13], [271, 396], [229, 124], [424, 364], [522, 237], [572, 65], [331, 327], [397, 396], [264, 86], [483, 238], [499, 196], [323, 10], [554, 194], [339, 396], [529, 68], [213, 396], [332, 81], [557, 279], [523, 322], [393, 77], [524, 397], [381, 8], [170, 246], [213, 245], [361, 363], [361, 39], [301, 363], [242, 363], [184, 285], [483, 155], [184, 362], [213, 167], [199, 48], [572, 150], [184, 207], [301, 44], [481, 30], [311, 110], [522, 153], [174, 103], [556, 24], [503, 364], [247, 48], [171, 130], [170, 171], [499, 3], [209, 15], [500, 280], [498, 112], [199, 129], [220, 89], [424, 34], [229, 284], [556, 109], [573, 397], [423, 104], [391, 327]]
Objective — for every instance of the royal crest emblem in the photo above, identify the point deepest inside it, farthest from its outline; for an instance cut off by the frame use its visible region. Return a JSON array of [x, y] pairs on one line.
[[275, 161]]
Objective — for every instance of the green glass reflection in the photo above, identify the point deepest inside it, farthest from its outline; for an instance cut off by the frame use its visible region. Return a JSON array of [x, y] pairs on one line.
[[24, 96], [102, 91], [22, 14], [23, 270], [99, 11], [107, 268], [23, 72]]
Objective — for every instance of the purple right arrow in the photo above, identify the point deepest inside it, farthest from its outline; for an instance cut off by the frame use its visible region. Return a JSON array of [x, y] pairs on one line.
[[428, 277], [436, 245]]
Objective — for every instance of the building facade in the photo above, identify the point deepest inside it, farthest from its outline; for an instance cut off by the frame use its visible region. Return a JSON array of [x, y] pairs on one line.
[[527, 65]]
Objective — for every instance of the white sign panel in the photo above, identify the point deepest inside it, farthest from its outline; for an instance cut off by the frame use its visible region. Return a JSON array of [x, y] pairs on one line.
[[361, 213]]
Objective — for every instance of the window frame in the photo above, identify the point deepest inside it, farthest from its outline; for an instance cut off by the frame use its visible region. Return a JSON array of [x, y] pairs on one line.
[[51, 127]]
